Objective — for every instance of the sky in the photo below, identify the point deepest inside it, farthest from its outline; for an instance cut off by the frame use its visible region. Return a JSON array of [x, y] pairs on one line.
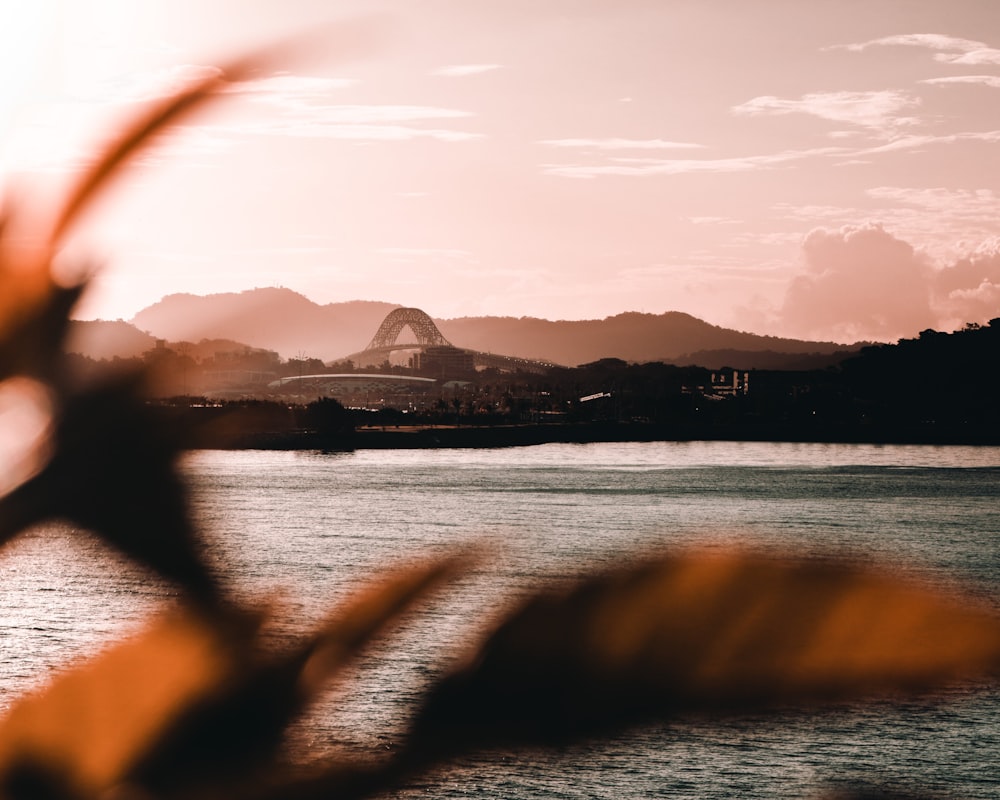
[[826, 170]]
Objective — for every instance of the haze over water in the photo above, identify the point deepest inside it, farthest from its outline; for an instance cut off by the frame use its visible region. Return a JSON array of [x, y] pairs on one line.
[[314, 525]]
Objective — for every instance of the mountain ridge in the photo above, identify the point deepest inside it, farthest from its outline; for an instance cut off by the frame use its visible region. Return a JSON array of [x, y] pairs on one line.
[[285, 321]]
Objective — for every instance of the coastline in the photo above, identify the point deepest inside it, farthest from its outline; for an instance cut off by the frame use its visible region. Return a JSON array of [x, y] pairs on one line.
[[523, 435]]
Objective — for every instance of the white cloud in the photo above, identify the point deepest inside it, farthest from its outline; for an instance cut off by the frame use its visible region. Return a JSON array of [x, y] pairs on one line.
[[641, 167], [712, 221], [645, 166], [424, 252], [372, 114], [462, 70], [940, 221], [950, 49], [772, 239], [367, 133], [812, 213], [141, 86], [881, 110], [932, 41], [305, 109], [358, 122], [918, 142], [622, 144], [300, 86], [985, 55], [985, 80], [983, 202]]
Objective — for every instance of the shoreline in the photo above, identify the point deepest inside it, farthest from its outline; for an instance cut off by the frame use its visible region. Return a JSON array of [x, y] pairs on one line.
[[528, 434]]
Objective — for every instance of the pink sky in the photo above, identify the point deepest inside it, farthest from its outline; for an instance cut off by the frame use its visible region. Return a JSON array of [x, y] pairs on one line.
[[823, 169]]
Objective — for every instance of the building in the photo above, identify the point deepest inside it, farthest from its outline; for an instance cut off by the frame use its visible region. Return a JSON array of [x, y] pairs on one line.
[[443, 361], [360, 389]]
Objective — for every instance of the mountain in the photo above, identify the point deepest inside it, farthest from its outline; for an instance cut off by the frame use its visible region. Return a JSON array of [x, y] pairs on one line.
[[291, 324], [674, 337], [101, 339], [273, 319]]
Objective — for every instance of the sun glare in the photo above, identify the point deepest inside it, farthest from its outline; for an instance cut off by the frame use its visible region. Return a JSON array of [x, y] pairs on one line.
[[23, 34]]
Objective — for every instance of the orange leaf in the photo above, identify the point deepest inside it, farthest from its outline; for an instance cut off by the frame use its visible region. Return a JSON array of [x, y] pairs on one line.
[[230, 734], [93, 721], [707, 634]]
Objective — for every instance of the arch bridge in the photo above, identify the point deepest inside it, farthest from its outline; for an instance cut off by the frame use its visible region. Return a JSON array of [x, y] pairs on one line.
[[420, 324], [386, 340]]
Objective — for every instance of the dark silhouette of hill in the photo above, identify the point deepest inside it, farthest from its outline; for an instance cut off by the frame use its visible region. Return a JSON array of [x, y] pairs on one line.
[[766, 359], [291, 324], [937, 379]]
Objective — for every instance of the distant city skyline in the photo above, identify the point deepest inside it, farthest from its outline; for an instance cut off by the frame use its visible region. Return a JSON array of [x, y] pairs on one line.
[[820, 170]]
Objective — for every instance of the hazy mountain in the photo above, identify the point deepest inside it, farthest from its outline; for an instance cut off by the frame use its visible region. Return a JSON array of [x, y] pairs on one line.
[[273, 319], [287, 322], [107, 340], [673, 336]]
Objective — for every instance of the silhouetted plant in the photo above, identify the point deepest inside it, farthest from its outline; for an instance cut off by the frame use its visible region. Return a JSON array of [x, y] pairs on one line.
[[197, 704]]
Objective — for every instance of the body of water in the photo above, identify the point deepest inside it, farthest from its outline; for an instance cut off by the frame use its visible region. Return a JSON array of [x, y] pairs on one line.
[[306, 528]]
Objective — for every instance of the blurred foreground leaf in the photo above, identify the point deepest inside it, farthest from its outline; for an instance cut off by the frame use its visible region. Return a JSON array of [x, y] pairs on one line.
[[114, 472], [231, 735], [705, 633], [34, 307], [33, 333], [194, 704], [92, 723]]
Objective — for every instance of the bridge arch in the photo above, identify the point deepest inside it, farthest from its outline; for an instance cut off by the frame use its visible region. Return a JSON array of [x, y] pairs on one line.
[[422, 326]]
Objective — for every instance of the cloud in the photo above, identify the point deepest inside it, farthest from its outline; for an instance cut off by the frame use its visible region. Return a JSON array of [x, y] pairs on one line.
[[408, 253], [284, 84], [712, 220], [279, 87], [371, 114], [943, 221], [365, 133], [622, 144], [968, 290], [985, 80], [633, 166], [626, 166], [881, 110], [859, 282], [863, 282], [814, 212], [932, 41], [359, 122], [915, 142], [641, 167], [305, 108], [303, 102], [135, 87], [983, 204], [462, 70], [949, 49], [985, 55]]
